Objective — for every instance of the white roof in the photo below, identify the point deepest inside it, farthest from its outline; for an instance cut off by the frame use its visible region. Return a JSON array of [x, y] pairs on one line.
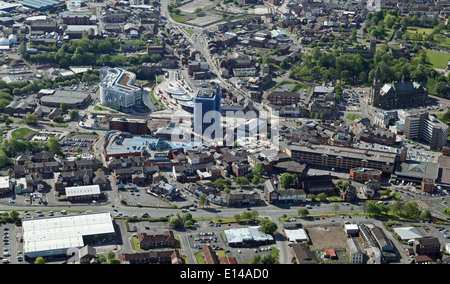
[[4, 182], [82, 190], [408, 233], [246, 235], [296, 234], [62, 232]]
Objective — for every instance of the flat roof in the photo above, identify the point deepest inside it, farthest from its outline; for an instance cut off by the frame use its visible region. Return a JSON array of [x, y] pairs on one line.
[[69, 97], [249, 234], [82, 190], [347, 152], [294, 235], [62, 232]]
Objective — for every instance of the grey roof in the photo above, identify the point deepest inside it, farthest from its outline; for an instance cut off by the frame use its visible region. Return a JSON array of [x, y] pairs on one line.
[[417, 170]]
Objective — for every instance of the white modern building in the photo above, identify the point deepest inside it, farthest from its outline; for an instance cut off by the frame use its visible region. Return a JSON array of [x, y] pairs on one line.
[[63, 235], [118, 89]]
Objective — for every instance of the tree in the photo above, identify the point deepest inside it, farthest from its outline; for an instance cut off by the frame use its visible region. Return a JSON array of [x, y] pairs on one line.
[[53, 145], [242, 181], [39, 260], [425, 215], [258, 170], [31, 118], [268, 227], [175, 221], [303, 212], [63, 107], [287, 180], [203, 201], [73, 114]]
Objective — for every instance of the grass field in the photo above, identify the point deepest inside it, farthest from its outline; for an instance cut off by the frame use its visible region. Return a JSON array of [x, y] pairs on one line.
[[422, 31], [438, 59], [352, 116], [21, 132]]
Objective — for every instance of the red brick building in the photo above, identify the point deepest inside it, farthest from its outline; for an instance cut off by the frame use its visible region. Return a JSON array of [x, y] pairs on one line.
[[155, 241]]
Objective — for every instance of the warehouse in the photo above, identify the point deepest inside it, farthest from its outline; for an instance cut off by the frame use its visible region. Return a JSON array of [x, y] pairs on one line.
[[71, 98], [56, 236], [247, 237]]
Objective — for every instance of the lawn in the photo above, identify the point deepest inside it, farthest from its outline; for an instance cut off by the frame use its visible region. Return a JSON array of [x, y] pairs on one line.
[[21, 133], [178, 18], [352, 116], [422, 31], [438, 59]]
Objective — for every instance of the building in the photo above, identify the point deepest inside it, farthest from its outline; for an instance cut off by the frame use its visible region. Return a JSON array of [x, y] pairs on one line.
[[156, 241], [42, 4], [118, 89], [402, 94], [355, 253], [246, 237], [427, 246], [365, 174], [416, 172], [151, 257], [73, 99], [303, 255], [58, 235], [274, 194], [74, 18], [426, 128], [207, 112], [340, 157], [84, 192], [284, 98], [130, 125]]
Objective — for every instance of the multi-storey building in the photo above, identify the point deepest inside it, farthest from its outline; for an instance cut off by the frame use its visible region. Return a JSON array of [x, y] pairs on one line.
[[207, 111], [426, 128], [118, 89], [131, 125], [341, 157]]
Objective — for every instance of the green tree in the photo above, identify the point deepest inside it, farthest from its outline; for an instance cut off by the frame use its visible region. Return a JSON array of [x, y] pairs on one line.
[[303, 212], [268, 227], [53, 145], [63, 107], [203, 200], [287, 180]]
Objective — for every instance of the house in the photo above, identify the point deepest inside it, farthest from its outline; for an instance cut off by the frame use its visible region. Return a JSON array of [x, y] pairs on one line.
[[152, 257], [274, 194], [303, 255], [167, 239]]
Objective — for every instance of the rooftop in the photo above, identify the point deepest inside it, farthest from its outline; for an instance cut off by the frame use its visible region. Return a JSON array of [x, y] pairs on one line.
[[61, 232]]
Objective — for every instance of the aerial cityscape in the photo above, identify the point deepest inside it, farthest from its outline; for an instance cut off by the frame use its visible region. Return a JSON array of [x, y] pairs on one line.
[[225, 132]]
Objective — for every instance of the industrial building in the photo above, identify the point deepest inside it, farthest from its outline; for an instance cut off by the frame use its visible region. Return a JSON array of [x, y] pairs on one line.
[[41, 4], [247, 237], [118, 89], [73, 99], [60, 235]]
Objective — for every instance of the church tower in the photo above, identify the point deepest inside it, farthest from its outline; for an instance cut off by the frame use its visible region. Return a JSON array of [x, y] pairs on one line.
[[376, 87]]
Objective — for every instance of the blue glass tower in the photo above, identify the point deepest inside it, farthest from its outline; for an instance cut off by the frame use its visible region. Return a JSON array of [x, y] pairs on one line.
[[207, 112]]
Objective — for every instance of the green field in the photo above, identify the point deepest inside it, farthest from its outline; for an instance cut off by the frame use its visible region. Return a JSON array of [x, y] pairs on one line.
[[352, 116], [21, 132], [422, 31], [438, 59]]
